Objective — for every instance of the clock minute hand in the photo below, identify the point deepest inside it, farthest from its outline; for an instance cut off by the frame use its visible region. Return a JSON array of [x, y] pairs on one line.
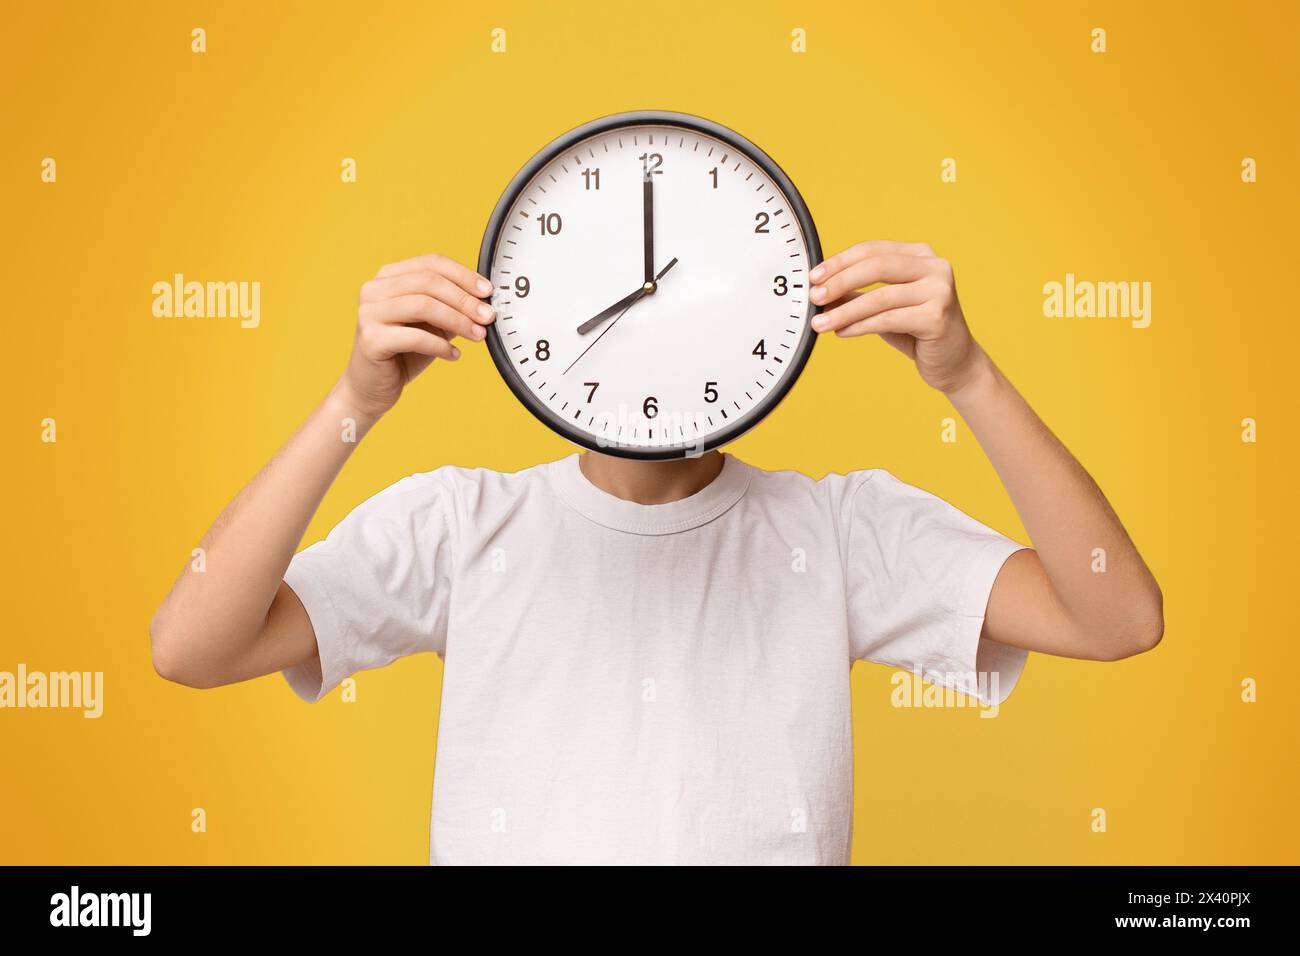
[[648, 224]]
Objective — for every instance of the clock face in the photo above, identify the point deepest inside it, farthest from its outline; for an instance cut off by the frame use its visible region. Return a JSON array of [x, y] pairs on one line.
[[650, 276]]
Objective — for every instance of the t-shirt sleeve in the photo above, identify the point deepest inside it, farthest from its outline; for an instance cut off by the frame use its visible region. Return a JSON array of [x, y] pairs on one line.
[[378, 587], [918, 575]]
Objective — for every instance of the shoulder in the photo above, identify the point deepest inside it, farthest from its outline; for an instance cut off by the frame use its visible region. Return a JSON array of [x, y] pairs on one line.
[[834, 488], [448, 499], [474, 495], [872, 496], [460, 481], [466, 488]]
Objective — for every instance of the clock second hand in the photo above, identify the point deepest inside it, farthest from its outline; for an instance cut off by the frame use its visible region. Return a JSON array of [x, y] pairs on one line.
[[599, 337], [635, 297]]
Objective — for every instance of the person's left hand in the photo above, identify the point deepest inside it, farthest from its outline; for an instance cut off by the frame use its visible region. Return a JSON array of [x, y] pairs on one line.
[[916, 310]]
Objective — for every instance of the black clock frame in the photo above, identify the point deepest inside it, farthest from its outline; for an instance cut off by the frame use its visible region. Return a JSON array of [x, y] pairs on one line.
[[604, 124]]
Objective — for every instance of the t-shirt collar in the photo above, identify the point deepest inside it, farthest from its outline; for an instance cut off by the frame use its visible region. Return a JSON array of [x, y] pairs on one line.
[[605, 509]]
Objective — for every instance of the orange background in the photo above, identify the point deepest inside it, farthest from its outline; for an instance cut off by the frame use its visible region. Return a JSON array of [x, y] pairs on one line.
[[1122, 166]]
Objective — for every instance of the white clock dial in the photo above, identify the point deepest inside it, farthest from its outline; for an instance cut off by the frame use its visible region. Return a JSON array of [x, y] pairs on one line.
[[651, 287]]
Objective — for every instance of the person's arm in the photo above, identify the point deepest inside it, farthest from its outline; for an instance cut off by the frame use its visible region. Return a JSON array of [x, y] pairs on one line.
[[237, 619], [1048, 599]]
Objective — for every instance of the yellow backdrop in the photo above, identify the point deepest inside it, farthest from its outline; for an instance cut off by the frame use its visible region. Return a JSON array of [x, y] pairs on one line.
[[1126, 165]]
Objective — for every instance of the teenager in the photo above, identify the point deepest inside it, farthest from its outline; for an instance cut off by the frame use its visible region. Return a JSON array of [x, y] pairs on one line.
[[648, 662]]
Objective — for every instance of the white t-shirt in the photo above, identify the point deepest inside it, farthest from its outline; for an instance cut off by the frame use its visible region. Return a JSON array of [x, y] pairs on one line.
[[631, 683]]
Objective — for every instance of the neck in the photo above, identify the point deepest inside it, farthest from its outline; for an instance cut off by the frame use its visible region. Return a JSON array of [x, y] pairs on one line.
[[650, 482]]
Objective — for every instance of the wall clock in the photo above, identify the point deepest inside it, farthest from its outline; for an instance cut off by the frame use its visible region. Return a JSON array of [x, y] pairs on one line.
[[650, 274]]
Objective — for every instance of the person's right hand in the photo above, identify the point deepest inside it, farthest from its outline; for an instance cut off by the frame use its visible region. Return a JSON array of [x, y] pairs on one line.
[[408, 314]]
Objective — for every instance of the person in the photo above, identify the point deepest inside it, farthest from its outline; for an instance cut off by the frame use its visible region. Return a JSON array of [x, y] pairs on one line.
[[648, 662]]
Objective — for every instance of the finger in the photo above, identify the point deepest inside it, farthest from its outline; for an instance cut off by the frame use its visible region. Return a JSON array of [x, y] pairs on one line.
[[408, 309], [382, 342], [466, 278], [855, 306], [431, 284], [874, 247], [918, 321], [883, 268]]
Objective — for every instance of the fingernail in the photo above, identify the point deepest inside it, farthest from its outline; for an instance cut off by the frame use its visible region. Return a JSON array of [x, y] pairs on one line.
[[477, 331], [819, 323], [455, 352], [817, 273], [485, 311], [818, 292], [483, 286]]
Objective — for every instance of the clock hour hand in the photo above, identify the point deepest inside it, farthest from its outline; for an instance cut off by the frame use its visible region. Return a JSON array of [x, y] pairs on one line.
[[625, 302], [618, 306]]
